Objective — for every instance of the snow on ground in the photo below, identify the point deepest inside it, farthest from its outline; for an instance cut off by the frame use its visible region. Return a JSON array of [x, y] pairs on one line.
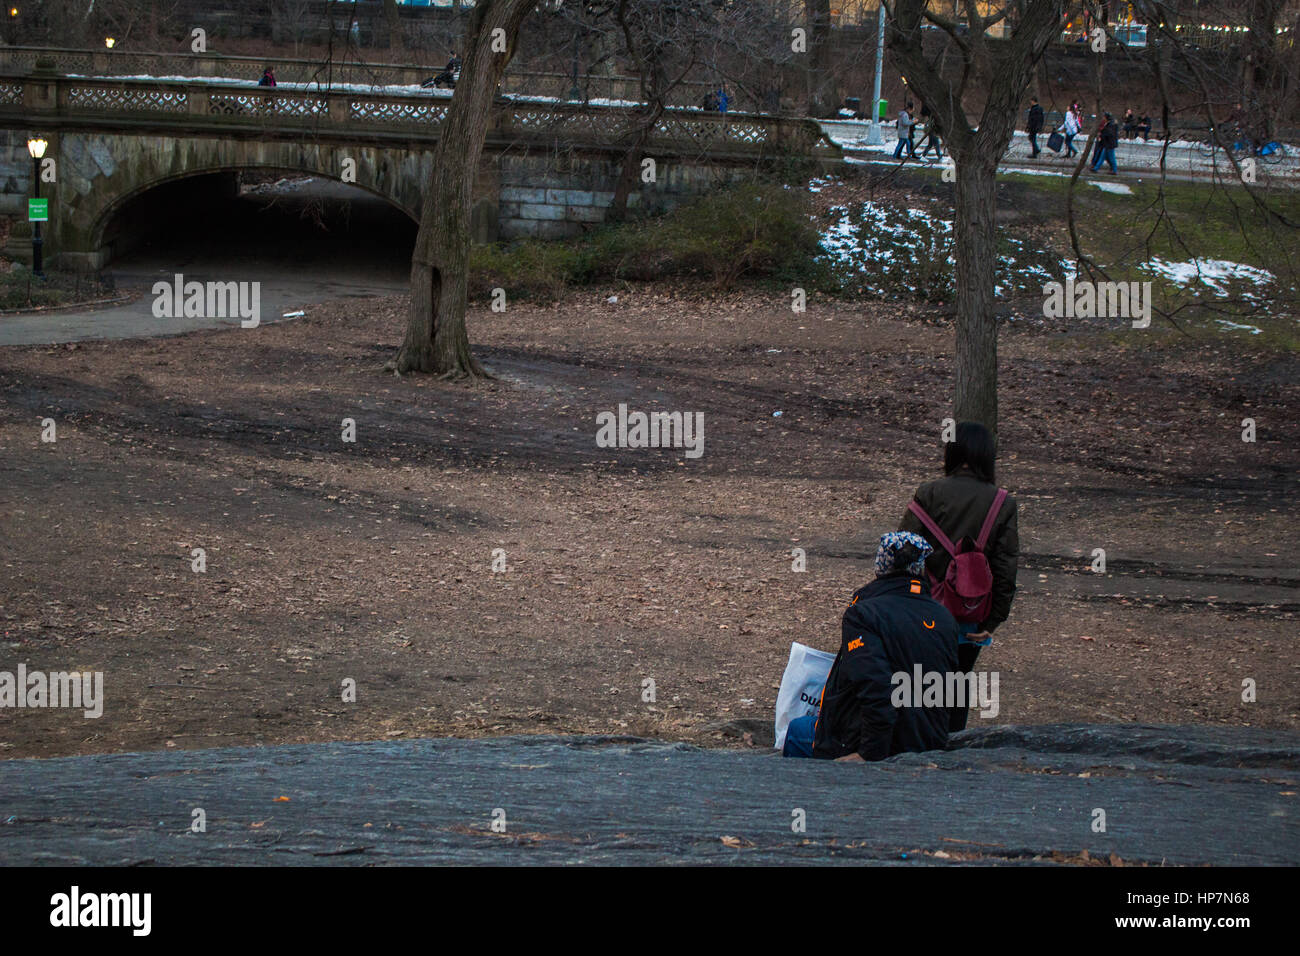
[[881, 250], [1253, 330], [1213, 273], [1118, 188], [281, 185]]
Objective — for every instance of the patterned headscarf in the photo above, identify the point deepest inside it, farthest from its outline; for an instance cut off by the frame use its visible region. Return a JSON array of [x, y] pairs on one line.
[[891, 544]]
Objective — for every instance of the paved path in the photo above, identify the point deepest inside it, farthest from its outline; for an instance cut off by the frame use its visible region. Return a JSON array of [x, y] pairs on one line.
[[1134, 157], [1184, 795], [135, 319]]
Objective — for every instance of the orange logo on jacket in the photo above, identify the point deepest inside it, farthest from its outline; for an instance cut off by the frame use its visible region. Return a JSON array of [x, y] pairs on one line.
[[929, 624], [916, 587], [855, 643]]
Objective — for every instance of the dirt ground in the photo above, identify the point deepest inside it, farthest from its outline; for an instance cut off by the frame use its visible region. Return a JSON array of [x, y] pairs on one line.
[[372, 561]]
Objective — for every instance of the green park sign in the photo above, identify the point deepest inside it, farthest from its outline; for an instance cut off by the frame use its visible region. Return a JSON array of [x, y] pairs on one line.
[[38, 210]]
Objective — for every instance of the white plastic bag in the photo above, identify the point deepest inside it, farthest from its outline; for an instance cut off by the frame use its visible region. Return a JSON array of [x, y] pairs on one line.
[[801, 686]]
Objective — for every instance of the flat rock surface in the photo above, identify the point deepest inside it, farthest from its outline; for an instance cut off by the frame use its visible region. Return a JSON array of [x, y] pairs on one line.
[[1179, 795]]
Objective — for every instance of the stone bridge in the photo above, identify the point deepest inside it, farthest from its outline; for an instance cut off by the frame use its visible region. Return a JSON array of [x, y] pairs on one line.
[[549, 168]]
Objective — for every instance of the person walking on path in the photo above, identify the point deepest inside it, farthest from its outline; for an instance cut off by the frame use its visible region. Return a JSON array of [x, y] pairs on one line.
[[905, 125], [1107, 140], [931, 132], [1034, 126], [969, 521], [1070, 127]]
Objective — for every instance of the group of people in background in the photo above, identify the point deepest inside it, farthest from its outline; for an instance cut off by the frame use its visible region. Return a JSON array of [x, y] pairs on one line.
[[907, 124], [1105, 143], [1135, 126]]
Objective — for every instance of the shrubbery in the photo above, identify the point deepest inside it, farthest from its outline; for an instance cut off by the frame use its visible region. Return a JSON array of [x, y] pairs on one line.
[[758, 231]]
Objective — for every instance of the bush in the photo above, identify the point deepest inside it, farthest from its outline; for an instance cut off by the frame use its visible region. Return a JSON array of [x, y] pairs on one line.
[[758, 231], [20, 290]]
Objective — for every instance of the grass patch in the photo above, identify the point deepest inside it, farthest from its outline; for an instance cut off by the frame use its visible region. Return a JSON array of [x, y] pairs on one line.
[[20, 290], [1186, 238]]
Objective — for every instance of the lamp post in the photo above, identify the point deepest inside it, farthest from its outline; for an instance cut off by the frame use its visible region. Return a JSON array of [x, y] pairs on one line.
[[36, 146], [874, 136]]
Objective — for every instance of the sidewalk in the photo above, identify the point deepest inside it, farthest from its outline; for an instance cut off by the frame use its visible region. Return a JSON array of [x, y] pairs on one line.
[[1186, 795], [1182, 160]]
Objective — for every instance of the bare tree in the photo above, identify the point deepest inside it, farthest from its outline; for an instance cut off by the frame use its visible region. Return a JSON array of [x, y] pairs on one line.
[[822, 100], [396, 41], [436, 340], [1001, 71], [1232, 94]]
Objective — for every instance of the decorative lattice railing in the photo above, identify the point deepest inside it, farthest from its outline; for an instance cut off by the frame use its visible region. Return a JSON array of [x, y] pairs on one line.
[[110, 99], [50, 101], [326, 74]]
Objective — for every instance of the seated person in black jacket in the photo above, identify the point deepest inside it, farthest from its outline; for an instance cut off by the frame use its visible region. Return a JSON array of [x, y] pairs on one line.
[[892, 629], [448, 76]]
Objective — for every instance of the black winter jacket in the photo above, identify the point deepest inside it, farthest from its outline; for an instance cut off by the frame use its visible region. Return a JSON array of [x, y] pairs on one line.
[[1035, 119], [892, 625], [1108, 138], [958, 504]]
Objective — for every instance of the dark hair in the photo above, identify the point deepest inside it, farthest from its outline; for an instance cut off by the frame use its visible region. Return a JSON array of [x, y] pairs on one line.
[[906, 555], [974, 448]]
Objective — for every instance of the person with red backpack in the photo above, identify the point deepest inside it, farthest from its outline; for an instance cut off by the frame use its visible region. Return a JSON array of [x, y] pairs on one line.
[[971, 524]]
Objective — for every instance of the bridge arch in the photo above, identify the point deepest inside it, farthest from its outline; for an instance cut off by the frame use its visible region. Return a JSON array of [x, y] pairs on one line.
[[103, 175]]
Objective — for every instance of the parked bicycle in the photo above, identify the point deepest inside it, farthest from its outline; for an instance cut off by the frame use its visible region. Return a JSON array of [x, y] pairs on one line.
[[1241, 147]]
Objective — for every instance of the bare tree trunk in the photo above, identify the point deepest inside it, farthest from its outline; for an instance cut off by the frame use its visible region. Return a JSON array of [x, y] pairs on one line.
[[822, 101], [631, 168], [1007, 70], [975, 238], [436, 340], [395, 40]]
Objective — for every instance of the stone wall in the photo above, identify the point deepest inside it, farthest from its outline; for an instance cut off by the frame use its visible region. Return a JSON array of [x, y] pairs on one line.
[[519, 193], [15, 188], [549, 197]]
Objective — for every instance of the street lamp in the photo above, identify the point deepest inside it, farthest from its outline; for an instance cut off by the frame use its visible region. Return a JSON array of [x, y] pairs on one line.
[[874, 135], [108, 42], [36, 146]]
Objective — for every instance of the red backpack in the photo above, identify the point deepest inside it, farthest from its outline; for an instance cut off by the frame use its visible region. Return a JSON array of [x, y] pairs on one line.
[[967, 588]]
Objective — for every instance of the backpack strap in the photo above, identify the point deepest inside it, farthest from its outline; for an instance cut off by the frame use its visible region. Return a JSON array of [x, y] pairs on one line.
[[933, 528], [990, 518]]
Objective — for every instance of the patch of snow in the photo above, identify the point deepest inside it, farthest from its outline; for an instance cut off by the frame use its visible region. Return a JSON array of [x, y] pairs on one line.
[[1237, 325], [1212, 273]]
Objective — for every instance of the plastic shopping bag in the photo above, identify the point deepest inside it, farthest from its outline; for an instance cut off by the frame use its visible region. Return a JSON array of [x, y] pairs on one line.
[[801, 686]]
